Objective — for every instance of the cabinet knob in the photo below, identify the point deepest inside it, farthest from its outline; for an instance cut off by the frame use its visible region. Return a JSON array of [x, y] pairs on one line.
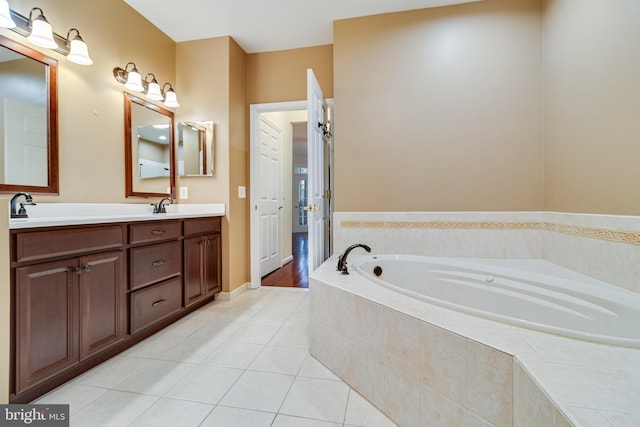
[[75, 269], [87, 268]]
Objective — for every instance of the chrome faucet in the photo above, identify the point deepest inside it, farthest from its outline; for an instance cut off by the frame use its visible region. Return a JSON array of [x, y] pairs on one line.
[[342, 260], [22, 212], [161, 207]]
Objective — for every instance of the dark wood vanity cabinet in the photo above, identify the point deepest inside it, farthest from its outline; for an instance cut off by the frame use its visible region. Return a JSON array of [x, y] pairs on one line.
[[155, 269], [67, 309], [81, 294], [202, 259]]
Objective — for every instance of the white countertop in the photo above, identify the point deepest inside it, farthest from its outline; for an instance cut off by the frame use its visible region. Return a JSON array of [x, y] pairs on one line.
[[60, 214]]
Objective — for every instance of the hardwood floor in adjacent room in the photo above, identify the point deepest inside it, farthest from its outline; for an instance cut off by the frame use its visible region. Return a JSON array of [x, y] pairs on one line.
[[294, 274]]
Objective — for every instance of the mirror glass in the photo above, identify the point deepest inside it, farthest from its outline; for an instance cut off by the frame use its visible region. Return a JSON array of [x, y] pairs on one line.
[[195, 148], [28, 120], [149, 148]]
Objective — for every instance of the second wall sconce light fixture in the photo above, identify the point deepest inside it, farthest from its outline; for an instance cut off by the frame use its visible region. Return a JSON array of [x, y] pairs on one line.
[[37, 29], [131, 78]]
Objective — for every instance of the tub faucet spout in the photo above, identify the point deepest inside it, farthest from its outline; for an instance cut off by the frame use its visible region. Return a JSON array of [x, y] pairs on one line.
[[22, 212], [342, 260]]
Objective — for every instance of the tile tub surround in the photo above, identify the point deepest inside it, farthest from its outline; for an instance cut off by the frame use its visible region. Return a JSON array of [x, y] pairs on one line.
[[422, 364], [606, 247]]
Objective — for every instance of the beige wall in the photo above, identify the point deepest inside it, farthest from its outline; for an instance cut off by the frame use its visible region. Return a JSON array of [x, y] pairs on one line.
[[282, 76], [208, 100], [440, 109], [592, 106], [206, 89], [90, 101], [238, 168]]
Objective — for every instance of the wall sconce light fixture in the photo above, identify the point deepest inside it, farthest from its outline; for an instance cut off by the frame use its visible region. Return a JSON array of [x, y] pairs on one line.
[[39, 32], [5, 15], [78, 51], [153, 88], [170, 98], [131, 78]]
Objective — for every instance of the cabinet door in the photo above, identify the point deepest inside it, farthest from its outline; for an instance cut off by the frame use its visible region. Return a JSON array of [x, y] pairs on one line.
[[102, 301], [193, 289], [211, 264], [46, 321]]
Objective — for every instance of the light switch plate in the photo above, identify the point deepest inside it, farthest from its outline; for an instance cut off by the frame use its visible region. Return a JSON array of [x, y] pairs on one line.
[[184, 193], [242, 192]]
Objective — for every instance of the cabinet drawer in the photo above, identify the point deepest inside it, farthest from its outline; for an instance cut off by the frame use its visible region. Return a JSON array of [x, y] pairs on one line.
[[154, 231], [201, 226], [56, 243], [150, 264], [155, 303]]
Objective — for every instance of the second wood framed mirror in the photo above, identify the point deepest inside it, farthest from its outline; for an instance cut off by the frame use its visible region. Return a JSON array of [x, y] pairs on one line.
[[149, 149]]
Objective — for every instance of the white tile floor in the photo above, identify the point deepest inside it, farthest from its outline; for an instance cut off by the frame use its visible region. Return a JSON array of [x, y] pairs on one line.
[[235, 363]]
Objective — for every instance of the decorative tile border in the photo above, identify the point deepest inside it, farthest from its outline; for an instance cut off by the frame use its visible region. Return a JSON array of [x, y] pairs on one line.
[[445, 225], [595, 233], [573, 230]]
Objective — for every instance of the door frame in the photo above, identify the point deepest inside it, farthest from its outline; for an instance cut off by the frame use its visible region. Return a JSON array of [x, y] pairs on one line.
[[254, 152]]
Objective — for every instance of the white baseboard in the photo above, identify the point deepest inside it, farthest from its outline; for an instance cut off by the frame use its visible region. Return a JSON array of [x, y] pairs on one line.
[[286, 260], [228, 296]]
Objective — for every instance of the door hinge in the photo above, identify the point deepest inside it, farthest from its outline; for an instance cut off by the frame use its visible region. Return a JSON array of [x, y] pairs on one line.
[[327, 194], [326, 129]]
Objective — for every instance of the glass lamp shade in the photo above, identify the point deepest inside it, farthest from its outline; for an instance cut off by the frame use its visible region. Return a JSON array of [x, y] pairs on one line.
[[5, 15], [42, 33], [78, 52], [153, 92], [134, 81], [171, 100]]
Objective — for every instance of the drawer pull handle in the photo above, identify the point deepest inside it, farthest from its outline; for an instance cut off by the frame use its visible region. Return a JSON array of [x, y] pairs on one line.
[[158, 232], [158, 303], [158, 263]]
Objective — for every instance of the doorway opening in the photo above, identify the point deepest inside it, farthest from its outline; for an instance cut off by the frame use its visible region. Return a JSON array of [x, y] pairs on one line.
[[279, 205]]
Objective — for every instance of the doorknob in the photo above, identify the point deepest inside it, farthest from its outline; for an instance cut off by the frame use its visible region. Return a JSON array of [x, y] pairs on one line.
[[311, 208], [280, 207]]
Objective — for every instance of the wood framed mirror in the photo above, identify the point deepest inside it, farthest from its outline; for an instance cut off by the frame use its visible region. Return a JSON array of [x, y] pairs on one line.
[[149, 149], [28, 120], [195, 141]]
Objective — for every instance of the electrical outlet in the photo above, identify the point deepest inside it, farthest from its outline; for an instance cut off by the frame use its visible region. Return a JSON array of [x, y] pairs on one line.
[[242, 192], [184, 193]]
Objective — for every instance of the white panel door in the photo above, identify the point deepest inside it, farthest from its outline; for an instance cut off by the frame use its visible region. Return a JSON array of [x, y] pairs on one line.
[[315, 158], [25, 144], [270, 194]]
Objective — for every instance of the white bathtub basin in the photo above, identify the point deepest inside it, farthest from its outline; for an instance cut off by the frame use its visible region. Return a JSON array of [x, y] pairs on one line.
[[546, 303]]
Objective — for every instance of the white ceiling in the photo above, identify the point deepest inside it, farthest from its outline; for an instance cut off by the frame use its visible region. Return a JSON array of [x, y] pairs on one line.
[[266, 25]]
